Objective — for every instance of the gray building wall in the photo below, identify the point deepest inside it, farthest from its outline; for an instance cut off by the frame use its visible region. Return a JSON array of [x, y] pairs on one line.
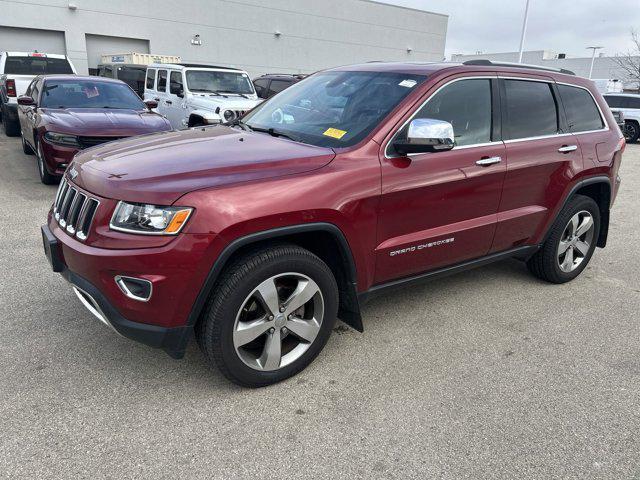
[[603, 67], [241, 33]]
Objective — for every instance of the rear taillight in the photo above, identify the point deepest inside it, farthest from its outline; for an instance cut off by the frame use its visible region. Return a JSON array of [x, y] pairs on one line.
[[11, 88], [621, 145]]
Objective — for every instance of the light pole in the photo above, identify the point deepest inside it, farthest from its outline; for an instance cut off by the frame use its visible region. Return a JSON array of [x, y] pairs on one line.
[[524, 30], [593, 57]]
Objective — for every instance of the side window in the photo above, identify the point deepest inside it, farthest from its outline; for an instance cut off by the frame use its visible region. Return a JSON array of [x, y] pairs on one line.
[[162, 80], [261, 87], [633, 102], [582, 112], [30, 88], [614, 101], [531, 109], [151, 79], [277, 86], [465, 104], [175, 83]]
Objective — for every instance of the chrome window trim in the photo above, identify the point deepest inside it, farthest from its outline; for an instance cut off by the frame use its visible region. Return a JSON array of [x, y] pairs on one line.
[[475, 77], [541, 137]]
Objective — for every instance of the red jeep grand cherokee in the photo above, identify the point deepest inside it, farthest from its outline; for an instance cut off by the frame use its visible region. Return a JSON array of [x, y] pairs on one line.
[[256, 235]]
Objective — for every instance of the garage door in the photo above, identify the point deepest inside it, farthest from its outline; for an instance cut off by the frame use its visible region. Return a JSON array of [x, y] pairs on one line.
[[31, 39], [98, 45]]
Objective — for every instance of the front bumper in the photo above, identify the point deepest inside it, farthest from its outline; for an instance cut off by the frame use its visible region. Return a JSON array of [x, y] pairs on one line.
[[57, 157], [176, 270]]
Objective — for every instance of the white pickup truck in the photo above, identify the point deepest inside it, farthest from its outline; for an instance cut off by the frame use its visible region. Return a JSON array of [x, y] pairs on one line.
[[191, 95], [17, 70], [629, 105]]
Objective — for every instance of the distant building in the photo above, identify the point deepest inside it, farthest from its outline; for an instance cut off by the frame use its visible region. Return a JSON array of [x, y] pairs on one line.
[[603, 67], [275, 36]]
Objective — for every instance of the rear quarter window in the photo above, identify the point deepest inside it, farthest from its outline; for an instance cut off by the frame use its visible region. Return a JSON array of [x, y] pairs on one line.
[[580, 108], [151, 79]]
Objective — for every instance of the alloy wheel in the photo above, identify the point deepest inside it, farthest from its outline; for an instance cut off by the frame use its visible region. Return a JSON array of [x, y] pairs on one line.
[[630, 131], [278, 321], [576, 241]]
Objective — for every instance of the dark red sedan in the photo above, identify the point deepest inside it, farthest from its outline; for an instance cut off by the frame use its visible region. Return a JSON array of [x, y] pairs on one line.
[[62, 114]]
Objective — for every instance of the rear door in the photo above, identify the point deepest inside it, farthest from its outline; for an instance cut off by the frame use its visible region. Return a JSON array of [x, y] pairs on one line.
[[439, 208], [161, 97], [175, 97], [542, 155]]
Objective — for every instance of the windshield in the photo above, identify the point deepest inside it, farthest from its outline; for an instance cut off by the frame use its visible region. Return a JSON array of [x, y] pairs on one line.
[[89, 94], [333, 109], [219, 82], [37, 66]]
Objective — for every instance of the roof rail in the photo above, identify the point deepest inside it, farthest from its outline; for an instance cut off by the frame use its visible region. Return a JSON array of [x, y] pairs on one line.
[[484, 62], [203, 65]]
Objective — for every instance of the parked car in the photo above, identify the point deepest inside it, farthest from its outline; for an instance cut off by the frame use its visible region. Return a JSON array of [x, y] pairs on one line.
[[132, 75], [270, 84], [62, 114], [191, 95], [257, 234], [17, 70], [629, 105]]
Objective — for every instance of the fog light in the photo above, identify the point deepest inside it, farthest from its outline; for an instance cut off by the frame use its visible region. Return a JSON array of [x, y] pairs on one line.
[[135, 288]]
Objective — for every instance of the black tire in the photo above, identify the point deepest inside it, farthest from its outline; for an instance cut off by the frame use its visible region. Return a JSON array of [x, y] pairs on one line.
[[11, 127], [45, 177], [215, 330], [631, 131], [544, 264], [26, 148]]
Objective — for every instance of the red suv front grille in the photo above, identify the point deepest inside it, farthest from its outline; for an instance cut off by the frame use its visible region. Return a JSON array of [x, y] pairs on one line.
[[74, 210]]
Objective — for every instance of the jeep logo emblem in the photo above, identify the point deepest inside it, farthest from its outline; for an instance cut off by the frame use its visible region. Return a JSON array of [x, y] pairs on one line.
[[73, 173]]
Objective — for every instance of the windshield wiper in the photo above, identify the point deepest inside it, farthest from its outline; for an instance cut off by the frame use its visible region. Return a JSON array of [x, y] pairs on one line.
[[235, 93], [273, 133], [239, 123], [215, 92]]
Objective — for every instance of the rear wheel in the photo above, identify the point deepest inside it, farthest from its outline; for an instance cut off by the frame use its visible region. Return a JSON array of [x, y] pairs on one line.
[[269, 316], [45, 176], [631, 131], [571, 243], [11, 126]]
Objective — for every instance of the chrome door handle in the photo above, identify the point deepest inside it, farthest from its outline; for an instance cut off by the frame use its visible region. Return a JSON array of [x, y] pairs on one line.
[[485, 162], [568, 148]]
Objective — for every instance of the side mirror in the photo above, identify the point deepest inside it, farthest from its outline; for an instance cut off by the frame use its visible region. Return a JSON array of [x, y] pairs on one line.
[[176, 89], [26, 100], [426, 135], [151, 104]]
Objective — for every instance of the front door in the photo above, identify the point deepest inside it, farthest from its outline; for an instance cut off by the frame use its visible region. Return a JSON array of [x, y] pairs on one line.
[[175, 98], [162, 95], [439, 208]]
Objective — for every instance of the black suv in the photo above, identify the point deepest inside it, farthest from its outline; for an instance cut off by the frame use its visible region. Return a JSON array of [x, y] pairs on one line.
[[271, 83]]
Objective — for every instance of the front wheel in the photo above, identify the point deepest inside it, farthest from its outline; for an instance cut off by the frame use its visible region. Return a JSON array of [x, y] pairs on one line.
[[571, 243], [45, 176], [269, 316]]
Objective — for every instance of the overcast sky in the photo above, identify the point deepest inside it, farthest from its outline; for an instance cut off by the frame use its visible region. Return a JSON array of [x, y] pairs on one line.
[[564, 26]]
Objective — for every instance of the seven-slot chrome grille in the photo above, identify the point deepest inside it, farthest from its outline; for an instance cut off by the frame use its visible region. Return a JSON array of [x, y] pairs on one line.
[[73, 210]]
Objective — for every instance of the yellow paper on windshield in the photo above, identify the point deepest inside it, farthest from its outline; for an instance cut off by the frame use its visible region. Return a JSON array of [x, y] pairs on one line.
[[334, 133]]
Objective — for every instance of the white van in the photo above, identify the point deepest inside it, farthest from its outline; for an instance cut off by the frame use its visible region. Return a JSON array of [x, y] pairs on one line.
[[191, 95]]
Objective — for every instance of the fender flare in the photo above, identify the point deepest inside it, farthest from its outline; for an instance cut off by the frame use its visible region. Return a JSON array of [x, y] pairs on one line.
[[204, 114], [604, 228], [351, 315]]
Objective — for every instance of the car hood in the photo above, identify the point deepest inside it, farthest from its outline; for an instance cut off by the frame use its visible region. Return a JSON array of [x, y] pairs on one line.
[[212, 102], [102, 121], [160, 168]]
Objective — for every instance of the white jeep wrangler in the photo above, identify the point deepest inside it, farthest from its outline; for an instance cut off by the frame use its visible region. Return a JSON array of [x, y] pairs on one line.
[[190, 95]]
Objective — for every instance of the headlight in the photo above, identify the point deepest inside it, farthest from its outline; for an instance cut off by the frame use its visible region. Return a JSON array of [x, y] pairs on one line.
[[229, 115], [149, 219], [62, 139]]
